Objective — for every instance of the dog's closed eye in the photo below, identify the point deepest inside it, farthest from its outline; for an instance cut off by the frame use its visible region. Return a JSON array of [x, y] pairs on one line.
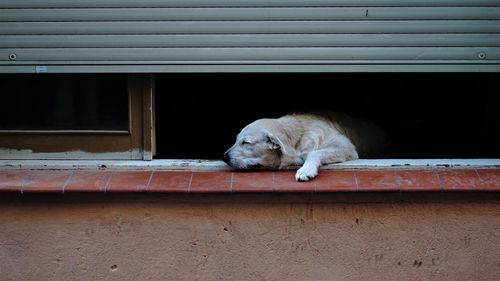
[[243, 142]]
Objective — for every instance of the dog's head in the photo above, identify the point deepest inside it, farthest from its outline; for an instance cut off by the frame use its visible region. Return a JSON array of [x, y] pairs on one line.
[[256, 146]]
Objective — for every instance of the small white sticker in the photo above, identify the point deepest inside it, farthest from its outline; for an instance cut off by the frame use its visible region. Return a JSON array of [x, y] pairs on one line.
[[41, 69]]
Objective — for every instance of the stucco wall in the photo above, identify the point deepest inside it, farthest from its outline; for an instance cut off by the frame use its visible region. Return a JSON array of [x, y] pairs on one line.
[[250, 237]]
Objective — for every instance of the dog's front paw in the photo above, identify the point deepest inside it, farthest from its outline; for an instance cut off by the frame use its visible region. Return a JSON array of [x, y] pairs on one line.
[[306, 173]]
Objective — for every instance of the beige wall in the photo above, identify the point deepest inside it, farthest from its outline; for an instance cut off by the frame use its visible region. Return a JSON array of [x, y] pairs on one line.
[[250, 237]]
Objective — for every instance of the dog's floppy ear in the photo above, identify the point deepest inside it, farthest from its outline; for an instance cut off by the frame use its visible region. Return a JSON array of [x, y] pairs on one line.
[[274, 142]]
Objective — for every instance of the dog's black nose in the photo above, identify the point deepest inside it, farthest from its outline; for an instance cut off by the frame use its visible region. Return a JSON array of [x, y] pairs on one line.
[[226, 158]]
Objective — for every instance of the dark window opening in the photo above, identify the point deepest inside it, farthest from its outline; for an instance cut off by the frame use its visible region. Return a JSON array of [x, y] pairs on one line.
[[428, 115], [64, 102]]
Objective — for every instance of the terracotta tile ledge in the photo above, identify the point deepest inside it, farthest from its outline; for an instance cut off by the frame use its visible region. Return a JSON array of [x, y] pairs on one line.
[[172, 181]]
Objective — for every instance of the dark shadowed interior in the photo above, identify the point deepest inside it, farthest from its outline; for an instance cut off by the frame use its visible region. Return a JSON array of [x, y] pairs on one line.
[[63, 102], [428, 115]]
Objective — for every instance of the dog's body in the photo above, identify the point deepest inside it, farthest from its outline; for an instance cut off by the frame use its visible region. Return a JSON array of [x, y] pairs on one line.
[[310, 140]]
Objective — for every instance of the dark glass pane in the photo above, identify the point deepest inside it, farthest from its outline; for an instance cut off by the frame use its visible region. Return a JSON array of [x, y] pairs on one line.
[[63, 102]]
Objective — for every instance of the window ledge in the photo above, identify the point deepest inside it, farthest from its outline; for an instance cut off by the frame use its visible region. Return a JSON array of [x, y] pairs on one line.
[[215, 165], [215, 177]]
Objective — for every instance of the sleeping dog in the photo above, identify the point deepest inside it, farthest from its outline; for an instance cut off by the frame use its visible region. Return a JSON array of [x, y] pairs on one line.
[[307, 140]]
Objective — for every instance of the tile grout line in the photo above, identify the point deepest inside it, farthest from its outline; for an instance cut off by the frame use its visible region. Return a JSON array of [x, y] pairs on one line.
[[472, 187], [355, 180], [108, 182], [398, 181], [315, 181], [23, 182], [481, 181], [190, 181], [231, 183], [273, 189], [149, 181], [436, 174], [67, 181]]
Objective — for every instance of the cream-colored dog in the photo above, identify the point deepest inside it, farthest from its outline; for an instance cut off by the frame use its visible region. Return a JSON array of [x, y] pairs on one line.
[[310, 140]]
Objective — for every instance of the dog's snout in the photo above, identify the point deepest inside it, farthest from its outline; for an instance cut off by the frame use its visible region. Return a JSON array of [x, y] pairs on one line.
[[226, 157]]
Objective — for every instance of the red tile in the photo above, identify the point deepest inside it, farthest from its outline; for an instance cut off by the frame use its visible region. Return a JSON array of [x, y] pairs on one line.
[[460, 180], [377, 180], [252, 181], [490, 178], [418, 180], [170, 181], [12, 180], [129, 181], [46, 181], [211, 182], [88, 181], [261, 181], [335, 181], [284, 181]]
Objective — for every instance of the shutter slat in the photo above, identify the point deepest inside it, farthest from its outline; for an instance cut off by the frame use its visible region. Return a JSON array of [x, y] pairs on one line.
[[254, 54], [251, 40], [251, 14], [251, 27], [239, 3]]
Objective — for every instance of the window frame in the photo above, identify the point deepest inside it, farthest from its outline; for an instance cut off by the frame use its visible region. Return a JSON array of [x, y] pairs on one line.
[[137, 142]]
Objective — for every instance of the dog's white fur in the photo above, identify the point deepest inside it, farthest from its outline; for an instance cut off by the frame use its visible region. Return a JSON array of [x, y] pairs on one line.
[[310, 140]]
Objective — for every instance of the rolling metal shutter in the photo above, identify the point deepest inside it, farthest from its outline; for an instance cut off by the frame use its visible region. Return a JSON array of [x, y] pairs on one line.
[[249, 35]]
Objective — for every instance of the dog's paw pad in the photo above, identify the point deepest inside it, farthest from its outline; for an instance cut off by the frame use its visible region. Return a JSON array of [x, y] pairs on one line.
[[305, 174]]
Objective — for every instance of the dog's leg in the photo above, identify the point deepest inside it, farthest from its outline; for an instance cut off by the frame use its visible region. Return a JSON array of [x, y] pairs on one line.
[[320, 157]]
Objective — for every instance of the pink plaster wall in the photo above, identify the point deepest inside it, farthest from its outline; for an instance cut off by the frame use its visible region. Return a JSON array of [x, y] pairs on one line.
[[222, 238]]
